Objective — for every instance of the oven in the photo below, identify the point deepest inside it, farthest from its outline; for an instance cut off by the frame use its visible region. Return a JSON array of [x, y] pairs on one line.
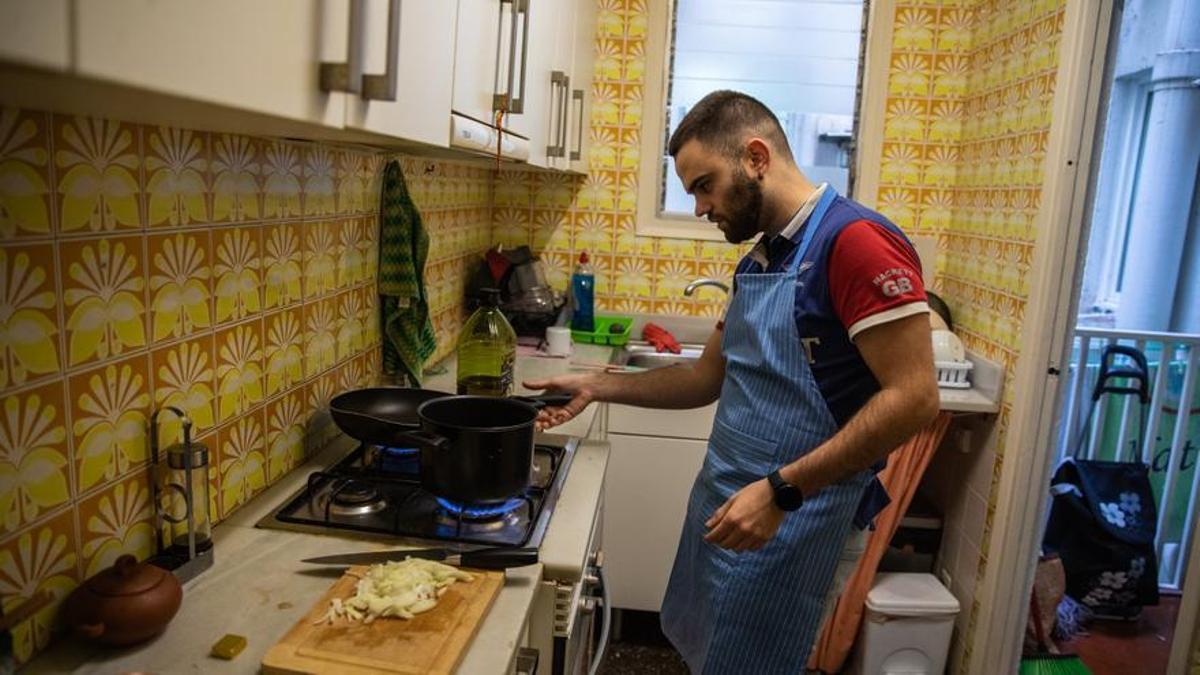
[[570, 622]]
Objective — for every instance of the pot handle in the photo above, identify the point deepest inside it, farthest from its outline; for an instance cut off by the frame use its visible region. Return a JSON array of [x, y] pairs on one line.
[[544, 400], [420, 437]]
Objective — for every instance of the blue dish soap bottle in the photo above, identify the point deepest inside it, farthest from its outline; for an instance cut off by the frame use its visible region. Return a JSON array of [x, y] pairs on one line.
[[583, 284]]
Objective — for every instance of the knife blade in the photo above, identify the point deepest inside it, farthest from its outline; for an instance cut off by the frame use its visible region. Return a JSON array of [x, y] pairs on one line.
[[496, 558]]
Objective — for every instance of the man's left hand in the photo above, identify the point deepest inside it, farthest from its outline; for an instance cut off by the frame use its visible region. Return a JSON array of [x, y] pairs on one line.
[[747, 520]]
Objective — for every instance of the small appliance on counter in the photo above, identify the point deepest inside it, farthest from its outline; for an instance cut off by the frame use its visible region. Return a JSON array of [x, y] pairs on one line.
[[182, 522], [528, 301]]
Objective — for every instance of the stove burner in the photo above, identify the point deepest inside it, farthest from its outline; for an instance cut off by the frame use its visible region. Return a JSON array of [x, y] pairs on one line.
[[479, 512], [400, 460], [355, 498]]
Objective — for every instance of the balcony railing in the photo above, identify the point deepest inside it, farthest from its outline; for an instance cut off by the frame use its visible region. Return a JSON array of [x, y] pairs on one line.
[[1169, 445]]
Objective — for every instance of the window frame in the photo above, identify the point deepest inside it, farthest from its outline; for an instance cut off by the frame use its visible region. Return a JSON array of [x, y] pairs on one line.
[[878, 15]]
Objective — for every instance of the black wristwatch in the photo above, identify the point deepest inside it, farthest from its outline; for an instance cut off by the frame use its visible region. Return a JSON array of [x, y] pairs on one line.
[[787, 496]]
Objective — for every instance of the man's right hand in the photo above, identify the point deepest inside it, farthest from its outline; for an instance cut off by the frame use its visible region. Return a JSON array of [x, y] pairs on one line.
[[581, 387]]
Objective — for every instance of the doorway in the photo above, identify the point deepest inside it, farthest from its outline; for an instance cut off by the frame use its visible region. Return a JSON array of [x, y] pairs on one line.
[[1137, 292]]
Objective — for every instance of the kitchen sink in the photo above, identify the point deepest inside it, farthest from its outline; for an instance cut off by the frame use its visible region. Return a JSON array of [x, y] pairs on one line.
[[643, 355]]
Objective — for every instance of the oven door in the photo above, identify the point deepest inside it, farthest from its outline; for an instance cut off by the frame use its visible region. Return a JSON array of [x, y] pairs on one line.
[[582, 652]]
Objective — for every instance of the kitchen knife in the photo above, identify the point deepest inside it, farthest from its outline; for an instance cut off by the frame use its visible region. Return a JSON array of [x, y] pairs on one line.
[[497, 558]]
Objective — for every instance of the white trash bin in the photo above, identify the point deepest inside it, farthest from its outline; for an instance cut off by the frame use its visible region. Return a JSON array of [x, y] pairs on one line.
[[906, 627]]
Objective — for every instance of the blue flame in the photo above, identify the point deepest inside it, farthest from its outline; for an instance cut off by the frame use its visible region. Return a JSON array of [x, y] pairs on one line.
[[476, 511]]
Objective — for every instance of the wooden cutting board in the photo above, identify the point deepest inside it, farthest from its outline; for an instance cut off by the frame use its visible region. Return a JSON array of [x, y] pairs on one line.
[[432, 642]]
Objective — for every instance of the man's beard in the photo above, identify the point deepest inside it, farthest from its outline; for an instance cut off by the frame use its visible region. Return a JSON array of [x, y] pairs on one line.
[[744, 207]]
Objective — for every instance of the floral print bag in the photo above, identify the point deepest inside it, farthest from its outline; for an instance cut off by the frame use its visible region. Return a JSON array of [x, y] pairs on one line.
[[1104, 516]]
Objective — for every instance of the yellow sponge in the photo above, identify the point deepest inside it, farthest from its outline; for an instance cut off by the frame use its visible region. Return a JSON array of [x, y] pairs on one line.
[[228, 647]]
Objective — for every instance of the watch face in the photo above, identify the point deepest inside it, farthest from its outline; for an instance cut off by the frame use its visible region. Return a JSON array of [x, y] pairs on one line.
[[787, 496]]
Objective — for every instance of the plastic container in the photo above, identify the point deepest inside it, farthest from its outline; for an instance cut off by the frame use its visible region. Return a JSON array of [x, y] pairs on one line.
[[486, 350], [605, 333], [907, 626], [583, 287]]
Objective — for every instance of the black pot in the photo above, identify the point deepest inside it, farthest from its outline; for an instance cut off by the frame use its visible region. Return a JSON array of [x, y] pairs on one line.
[[475, 449]]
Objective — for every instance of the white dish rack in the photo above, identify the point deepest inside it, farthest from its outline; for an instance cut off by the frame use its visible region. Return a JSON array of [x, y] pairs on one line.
[[953, 374]]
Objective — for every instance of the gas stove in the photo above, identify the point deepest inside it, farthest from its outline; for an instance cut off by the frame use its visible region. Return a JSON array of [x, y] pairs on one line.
[[376, 492]]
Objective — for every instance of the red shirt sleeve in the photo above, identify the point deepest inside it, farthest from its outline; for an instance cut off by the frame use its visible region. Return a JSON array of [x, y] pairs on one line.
[[874, 277]]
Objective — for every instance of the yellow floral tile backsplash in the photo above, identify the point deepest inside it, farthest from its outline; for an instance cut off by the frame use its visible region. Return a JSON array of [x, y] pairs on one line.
[[230, 276]]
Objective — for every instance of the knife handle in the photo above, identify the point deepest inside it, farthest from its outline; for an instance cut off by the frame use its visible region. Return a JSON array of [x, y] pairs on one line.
[[499, 558]]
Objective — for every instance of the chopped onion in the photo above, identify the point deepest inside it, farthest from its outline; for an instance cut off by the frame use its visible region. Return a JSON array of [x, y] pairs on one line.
[[401, 589]]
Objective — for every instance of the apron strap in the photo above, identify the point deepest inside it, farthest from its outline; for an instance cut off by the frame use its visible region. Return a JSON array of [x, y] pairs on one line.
[[814, 223]]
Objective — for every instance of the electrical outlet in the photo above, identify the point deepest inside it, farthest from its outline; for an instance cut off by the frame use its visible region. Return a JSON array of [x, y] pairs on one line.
[[944, 575]]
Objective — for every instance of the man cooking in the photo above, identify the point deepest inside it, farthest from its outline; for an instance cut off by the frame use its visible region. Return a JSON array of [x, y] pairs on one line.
[[822, 365]]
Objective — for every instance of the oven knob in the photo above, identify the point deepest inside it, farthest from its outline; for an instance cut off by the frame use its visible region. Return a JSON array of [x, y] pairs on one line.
[[587, 605], [596, 559], [590, 579]]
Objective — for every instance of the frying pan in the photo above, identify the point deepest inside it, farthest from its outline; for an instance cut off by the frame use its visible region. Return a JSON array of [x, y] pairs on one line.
[[380, 415]]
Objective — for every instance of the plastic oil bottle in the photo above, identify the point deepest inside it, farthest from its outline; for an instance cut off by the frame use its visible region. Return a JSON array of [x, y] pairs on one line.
[[583, 284], [487, 350]]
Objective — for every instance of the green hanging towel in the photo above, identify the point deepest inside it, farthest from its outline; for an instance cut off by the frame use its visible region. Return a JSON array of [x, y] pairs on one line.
[[408, 337]]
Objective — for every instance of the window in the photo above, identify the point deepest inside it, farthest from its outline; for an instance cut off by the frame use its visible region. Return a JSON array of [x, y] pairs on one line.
[[799, 57], [1128, 108]]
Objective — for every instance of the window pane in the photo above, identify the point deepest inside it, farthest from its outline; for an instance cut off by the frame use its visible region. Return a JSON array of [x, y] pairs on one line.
[[799, 57]]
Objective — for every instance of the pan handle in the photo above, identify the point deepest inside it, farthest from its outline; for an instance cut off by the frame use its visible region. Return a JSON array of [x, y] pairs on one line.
[[421, 438], [544, 400]]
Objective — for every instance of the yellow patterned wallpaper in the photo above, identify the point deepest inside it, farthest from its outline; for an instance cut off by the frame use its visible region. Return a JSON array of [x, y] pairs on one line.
[[560, 216], [231, 276], [970, 92]]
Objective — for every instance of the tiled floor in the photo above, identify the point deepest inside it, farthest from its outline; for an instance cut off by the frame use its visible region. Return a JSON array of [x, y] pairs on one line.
[[1114, 648], [641, 649]]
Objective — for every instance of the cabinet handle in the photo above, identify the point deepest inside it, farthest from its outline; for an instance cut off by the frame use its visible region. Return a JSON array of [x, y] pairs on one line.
[[577, 153], [564, 115], [559, 82], [346, 75], [383, 87], [517, 105], [504, 101]]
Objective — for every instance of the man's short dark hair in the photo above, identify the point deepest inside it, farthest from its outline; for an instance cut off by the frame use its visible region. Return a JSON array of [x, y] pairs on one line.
[[723, 119]]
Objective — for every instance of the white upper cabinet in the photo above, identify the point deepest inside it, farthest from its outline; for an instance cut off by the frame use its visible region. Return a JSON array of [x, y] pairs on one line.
[[583, 55], [408, 69], [259, 56], [538, 79], [521, 55], [36, 33], [476, 56]]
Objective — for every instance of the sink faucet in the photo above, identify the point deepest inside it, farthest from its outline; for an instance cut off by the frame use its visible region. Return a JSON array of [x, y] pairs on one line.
[[691, 288]]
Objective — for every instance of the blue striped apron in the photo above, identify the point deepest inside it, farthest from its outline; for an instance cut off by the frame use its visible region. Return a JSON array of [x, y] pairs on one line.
[[759, 612]]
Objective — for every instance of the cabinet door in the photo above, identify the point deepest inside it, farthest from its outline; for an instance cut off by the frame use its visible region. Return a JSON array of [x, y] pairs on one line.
[[35, 33], [260, 56], [535, 72], [422, 64], [583, 52], [694, 423], [645, 500], [476, 53]]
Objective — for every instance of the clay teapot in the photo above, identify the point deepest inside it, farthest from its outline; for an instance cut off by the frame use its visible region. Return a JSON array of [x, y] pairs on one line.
[[125, 604]]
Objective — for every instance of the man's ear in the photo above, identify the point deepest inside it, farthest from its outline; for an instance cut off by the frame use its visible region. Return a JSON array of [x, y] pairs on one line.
[[758, 157]]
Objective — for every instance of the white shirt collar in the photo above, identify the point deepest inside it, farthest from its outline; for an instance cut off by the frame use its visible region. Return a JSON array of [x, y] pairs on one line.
[[759, 252]]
